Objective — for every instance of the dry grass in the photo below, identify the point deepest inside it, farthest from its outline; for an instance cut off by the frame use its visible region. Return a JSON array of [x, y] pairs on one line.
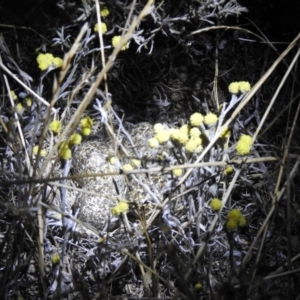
[[170, 240]]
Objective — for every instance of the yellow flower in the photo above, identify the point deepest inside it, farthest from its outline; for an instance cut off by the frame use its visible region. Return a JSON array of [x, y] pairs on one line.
[[163, 136], [244, 144], [58, 62], [185, 129], [64, 150], [199, 149], [101, 240], [63, 144], [237, 87], [225, 133], [198, 286], [153, 143], [158, 127], [115, 211], [174, 133], [35, 151], [215, 204], [135, 163], [162, 156], [104, 12], [231, 225], [228, 170], [177, 172], [47, 59], [244, 86], [13, 95], [86, 122], [44, 60], [28, 101], [183, 138], [234, 87], [242, 221], [195, 132], [86, 126], [235, 220], [55, 126], [196, 119], [75, 139], [112, 160], [191, 145], [19, 108], [123, 206], [116, 40], [86, 131], [179, 136], [120, 208], [234, 214], [55, 259], [210, 118], [65, 153], [127, 168], [196, 140], [103, 28], [43, 153]]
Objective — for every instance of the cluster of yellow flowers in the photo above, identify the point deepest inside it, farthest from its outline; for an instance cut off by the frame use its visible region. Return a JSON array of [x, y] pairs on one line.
[[127, 167], [35, 151], [19, 107], [46, 60], [239, 87], [120, 208], [104, 12], [190, 137], [235, 219], [196, 119], [134, 164], [65, 147], [86, 125], [187, 136], [65, 151], [184, 136], [103, 29], [245, 142]]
